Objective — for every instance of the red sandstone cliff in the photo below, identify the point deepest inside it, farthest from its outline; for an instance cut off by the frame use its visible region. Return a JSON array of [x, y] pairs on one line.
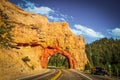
[[37, 39]]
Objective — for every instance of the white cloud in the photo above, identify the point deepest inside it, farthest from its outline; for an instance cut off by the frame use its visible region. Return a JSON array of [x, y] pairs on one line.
[[40, 10], [114, 32], [77, 32], [82, 30], [43, 10]]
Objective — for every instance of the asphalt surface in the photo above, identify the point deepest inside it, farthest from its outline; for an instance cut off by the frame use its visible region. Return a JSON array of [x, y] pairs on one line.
[[66, 74], [71, 75], [44, 76]]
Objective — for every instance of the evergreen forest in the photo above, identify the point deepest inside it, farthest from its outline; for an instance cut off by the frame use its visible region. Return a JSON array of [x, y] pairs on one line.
[[104, 53]]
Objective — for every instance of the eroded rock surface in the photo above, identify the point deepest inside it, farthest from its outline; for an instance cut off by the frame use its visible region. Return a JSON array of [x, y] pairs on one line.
[[36, 39]]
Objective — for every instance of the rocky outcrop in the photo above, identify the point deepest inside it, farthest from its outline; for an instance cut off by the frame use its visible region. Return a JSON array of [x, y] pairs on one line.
[[35, 39]]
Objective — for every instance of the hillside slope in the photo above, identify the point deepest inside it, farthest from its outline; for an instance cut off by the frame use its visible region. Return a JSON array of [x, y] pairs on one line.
[[105, 53], [31, 35]]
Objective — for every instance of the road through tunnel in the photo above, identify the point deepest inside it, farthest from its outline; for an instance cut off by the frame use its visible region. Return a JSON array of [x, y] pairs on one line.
[[50, 52], [58, 60]]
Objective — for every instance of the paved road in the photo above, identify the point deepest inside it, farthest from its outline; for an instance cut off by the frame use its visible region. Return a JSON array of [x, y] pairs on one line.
[[45, 76], [72, 75], [58, 74]]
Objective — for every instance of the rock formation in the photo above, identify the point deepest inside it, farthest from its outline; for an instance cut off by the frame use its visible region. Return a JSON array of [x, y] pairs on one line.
[[35, 39]]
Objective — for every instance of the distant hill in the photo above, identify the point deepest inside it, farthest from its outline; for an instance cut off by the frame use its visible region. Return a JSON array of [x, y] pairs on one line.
[[104, 53]]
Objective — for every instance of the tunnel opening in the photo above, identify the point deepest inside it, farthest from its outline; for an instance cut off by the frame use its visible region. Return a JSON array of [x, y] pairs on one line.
[[57, 51], [58, 61]]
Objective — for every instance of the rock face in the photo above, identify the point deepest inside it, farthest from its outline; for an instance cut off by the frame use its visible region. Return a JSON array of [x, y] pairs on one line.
[[36, 40]]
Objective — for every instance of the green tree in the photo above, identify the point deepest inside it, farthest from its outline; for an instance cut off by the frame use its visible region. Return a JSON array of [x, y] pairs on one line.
[[105, 52], [58, 60]]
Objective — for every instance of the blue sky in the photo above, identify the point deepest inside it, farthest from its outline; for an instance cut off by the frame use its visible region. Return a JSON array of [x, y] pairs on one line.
[[93, 19]]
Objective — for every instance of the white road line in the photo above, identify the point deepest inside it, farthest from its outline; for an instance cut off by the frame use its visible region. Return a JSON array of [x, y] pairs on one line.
[[34, 75], [46, 75], [81, 74]]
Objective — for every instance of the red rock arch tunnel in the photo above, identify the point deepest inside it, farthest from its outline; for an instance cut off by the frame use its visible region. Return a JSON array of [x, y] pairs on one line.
[[49, 51]]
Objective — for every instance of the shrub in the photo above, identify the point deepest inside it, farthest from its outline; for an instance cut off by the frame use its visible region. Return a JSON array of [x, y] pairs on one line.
[[5, 29], [26, 59]]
